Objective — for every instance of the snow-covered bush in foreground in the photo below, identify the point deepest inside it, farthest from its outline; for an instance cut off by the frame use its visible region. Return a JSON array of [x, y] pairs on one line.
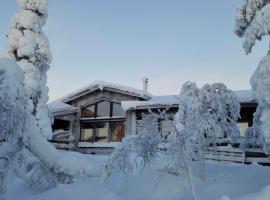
[[202, 113], [252, 23]]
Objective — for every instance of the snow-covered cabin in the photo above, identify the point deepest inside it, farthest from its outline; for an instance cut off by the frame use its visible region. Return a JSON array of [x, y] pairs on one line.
[[101, 114], [94, 115]]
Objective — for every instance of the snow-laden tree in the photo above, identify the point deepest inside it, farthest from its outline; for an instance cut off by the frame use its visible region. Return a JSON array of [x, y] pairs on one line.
[[15, 123], [202, 113], [29, 47], [252, 23], [13, 117]]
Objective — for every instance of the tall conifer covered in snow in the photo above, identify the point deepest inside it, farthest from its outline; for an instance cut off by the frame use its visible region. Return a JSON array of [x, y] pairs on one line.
[[39, 163], [29, 47], [252, 23]]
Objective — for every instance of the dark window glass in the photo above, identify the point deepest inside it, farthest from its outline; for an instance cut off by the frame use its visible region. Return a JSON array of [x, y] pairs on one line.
[[87, 132], [118, 131], [118, 110], [88, 112], [102, 131], [103, 109]]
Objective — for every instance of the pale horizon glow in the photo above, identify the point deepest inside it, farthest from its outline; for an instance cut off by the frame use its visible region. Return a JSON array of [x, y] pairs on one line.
[[121, 41]]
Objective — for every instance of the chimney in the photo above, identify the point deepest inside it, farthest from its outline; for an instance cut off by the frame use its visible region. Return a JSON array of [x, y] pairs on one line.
[[145, 85]]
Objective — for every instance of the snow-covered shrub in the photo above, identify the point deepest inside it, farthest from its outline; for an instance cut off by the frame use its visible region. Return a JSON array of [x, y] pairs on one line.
[[29, 47], [202, 112], [139, 150], [252, 23]]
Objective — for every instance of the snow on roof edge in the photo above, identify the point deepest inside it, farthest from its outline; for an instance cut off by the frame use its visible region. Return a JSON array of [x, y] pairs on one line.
[[101, 85], [244, 96], [59, 106]]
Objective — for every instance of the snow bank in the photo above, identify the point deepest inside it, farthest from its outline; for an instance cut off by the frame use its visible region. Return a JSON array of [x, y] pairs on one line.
[[264, 194], [222, 180], [67, 165]]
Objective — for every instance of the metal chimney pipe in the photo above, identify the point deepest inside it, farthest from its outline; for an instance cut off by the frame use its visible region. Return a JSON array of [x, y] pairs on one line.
[[145, 85]]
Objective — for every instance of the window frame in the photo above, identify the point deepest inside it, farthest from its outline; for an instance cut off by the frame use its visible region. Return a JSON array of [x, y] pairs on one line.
[[111, 109], [106, 119]]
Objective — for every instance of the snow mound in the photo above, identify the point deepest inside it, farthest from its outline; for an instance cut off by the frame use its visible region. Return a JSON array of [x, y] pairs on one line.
[[264, 194]]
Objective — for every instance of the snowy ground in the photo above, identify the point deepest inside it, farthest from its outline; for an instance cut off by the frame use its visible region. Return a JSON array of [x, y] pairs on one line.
[[223, 182]]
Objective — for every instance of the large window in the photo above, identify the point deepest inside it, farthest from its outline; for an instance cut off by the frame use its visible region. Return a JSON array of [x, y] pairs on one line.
[[118, 110], [242, 128], [113, 131], [102, 132], [88, 112], [102, 122], [87, 132], [103, 109], [117, 131]]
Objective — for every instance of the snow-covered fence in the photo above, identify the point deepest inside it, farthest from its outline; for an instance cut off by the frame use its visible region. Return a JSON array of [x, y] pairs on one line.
[[225, 154], [236, 155]]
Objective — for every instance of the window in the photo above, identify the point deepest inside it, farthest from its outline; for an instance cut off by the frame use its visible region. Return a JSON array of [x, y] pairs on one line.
[[87, 132], [118, 110], [242, 128], [103, 109], [118, 131], [102, 132], [165, 127], [88, 112], [99, 125]]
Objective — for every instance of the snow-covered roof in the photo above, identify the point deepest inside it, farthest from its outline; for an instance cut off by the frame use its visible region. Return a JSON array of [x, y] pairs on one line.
[[58, 107], [244, 96], [100, 85], [156, 101]]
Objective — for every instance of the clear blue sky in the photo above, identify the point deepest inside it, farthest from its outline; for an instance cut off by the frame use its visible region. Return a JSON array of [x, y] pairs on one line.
[[168, 41]]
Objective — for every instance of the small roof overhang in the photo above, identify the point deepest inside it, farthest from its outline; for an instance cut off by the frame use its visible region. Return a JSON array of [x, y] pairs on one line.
[[58, 108]]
